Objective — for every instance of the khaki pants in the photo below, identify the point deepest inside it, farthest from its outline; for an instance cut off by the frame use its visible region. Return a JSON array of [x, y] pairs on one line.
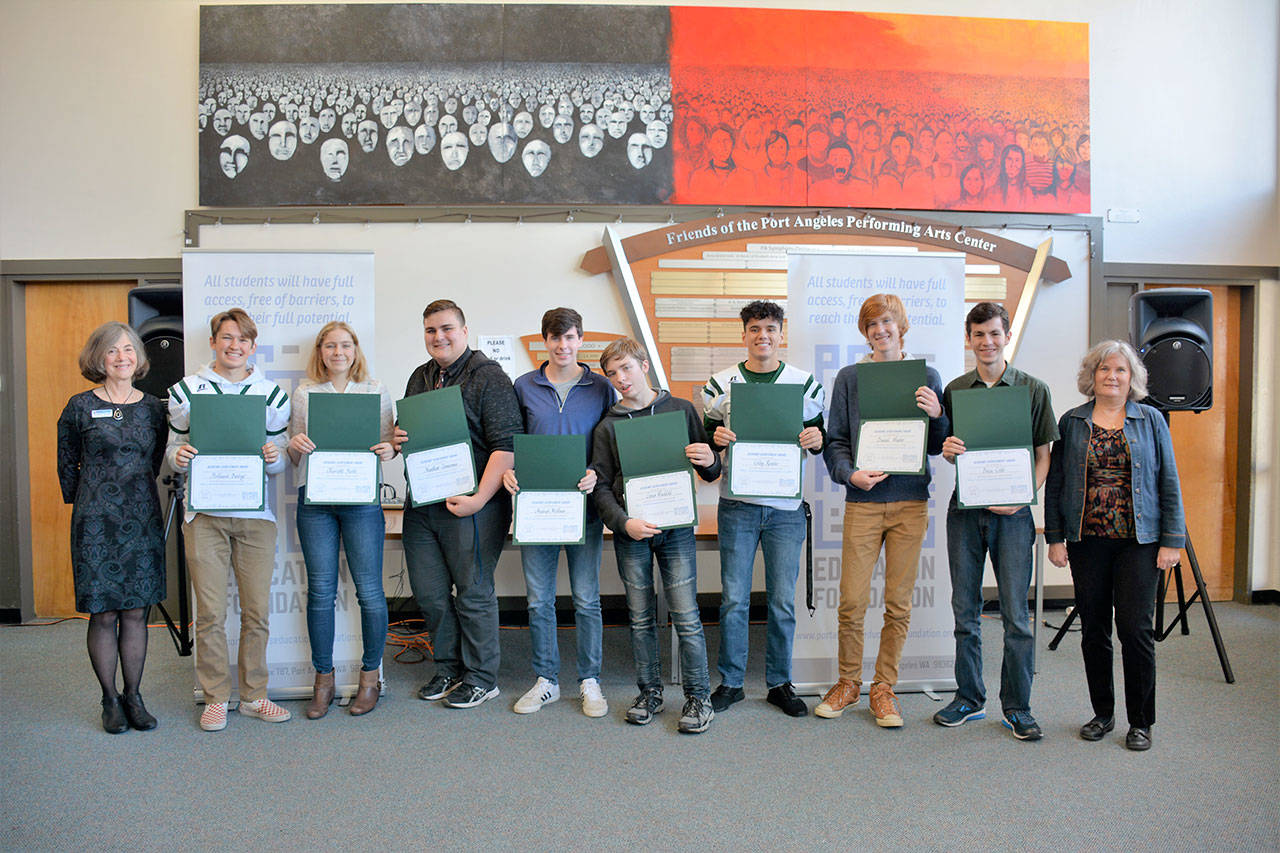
[[216, 546], [900, 527]]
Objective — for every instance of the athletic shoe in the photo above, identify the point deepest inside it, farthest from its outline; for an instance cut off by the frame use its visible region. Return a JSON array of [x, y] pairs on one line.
[[214, 717], [438, 687], [724, 696], [593, 701], [543, 692], [959, 712], [469, 695], [647, 704], [843, 694], [784, 696], [264, 709], [885, 707], [1022, 724], [696, 716]]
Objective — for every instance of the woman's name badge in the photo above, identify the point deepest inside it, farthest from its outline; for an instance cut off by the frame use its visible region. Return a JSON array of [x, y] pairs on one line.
[[101, 413]]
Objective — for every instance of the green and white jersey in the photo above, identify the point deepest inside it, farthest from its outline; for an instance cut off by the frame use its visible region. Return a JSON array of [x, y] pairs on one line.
[[207, 381], [715, 410]]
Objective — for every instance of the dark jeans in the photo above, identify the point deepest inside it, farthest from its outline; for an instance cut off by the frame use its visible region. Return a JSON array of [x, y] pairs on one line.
[[451, 562], [972, 534], [362, 531], [1119, 574]]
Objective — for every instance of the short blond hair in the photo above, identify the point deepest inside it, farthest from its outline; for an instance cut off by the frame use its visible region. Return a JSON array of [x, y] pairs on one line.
[[94, 355], [318, 373], [623, 348], [240, 317], [1101, 352]]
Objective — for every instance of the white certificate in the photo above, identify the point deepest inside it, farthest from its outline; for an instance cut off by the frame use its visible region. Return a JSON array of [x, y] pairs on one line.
[[995, 477], [894, 447], [764, 469], [335, 477], [439, 473], [221, 483], [663, 500], [549, 518]]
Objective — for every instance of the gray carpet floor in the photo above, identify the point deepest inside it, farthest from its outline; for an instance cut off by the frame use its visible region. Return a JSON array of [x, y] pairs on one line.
[[415, 774]]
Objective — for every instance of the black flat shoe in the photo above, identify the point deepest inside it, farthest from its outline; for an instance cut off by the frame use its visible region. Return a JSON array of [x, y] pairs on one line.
[[1138, 739], [113, 719], [137, 713], [1097, 728]]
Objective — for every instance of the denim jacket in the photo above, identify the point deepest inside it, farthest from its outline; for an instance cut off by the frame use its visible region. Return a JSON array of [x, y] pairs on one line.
[[1156, 495]]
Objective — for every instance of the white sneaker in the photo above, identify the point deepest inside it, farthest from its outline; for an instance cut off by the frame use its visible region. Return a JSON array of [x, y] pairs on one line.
[[541, 693], [264, 709], [593, 702]]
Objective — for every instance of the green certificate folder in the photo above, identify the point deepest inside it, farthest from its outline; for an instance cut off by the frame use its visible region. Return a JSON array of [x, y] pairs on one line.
[[344, 421], [438, 459], [766, 459], [228, 473], [342, 469], [656, 475], [549, 509], [893, 432], [998, 465]]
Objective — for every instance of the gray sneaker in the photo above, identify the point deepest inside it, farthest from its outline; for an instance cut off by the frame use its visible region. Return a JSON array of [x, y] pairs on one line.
[[647, 704], [696, 716]]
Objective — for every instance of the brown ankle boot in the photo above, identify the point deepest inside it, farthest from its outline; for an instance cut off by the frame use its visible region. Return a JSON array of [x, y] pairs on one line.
[[366, 694], [321, 696]]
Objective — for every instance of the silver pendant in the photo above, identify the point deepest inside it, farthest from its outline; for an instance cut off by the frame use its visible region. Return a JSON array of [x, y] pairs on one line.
[[117, 414]]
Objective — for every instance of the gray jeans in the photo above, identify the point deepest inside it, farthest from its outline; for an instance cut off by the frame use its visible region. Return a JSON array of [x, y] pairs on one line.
[[451, 562]]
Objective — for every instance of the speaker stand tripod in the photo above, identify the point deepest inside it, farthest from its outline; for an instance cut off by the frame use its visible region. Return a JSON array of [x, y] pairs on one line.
[[1184, 604], [180, 633]]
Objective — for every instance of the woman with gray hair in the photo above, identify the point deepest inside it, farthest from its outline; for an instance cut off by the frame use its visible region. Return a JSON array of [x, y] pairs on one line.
[[1113, 507], [111, 442]]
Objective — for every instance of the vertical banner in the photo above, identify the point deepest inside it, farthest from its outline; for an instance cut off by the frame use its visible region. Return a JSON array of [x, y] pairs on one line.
[[290, 296], [825, 293]]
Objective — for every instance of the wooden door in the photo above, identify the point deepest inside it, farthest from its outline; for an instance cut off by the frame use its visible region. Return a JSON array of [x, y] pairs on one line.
[[1207, 448], [59, 318]]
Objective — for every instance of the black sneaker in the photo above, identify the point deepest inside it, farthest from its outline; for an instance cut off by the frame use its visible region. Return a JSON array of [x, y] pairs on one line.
[[724, 696], [697, 715], [784, 696], [1023, 725], [438, 687], [959, 712], [647, 704], [469, 695]]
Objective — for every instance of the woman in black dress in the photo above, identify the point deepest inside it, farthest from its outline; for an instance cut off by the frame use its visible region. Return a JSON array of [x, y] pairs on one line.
[[111, 442]]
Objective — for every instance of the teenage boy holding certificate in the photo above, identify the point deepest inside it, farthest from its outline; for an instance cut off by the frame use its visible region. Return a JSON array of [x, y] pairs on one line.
[[221, 541], [881, 509], [451, 546], [563, 397], [622, 447], [1005, 532], [772, 519]]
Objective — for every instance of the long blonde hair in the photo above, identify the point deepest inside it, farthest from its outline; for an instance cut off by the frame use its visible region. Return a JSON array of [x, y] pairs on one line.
[[316, 370]]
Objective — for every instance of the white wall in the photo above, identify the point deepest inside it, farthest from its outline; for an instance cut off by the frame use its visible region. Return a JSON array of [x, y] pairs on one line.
[[100, 157]]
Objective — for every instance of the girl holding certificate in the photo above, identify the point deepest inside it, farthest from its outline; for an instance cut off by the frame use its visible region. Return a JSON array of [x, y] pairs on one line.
[[337, 366], [111, 441], [1114, 507]]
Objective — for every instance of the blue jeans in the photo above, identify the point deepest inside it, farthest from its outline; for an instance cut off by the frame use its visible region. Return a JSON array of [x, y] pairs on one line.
[[674, 550], [540, 563], [743, 528], [450, 561], [971, 535], [362, 532]]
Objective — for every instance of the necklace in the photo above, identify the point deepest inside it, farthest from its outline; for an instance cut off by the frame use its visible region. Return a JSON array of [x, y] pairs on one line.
[[116, 413]]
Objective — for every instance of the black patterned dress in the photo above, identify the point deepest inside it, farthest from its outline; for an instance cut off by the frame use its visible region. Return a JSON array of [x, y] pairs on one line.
[[107, 468]]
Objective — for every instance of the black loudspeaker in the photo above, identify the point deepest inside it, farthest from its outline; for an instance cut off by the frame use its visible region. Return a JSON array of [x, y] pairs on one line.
[[1172, 330], [155, 312]]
